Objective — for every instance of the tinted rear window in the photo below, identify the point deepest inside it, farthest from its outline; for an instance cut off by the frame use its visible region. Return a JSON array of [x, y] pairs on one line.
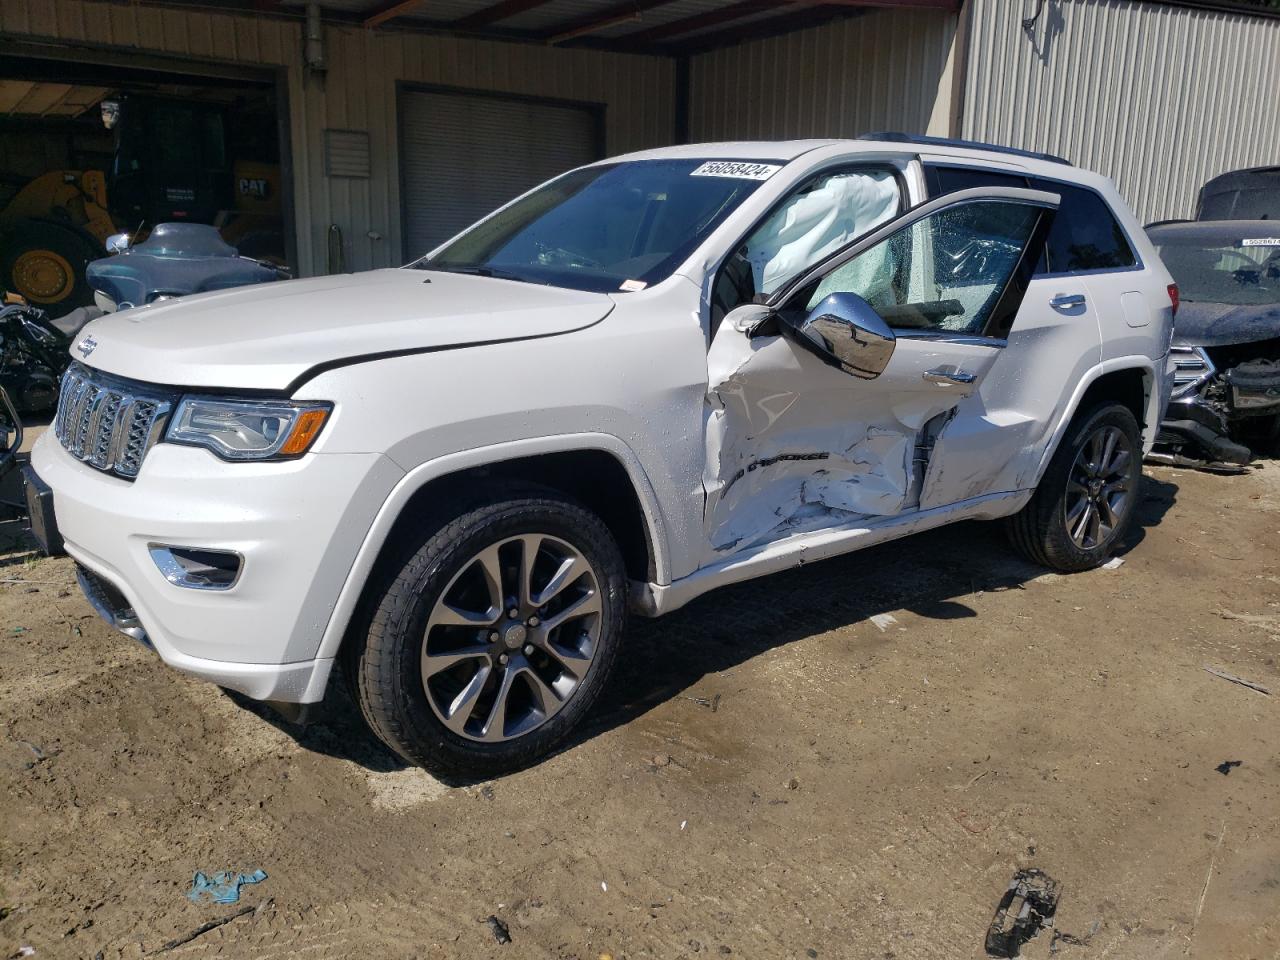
[[1085, 234], [1244, 204]]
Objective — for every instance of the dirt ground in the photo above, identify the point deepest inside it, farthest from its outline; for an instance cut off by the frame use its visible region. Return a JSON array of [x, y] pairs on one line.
[[775, 775]]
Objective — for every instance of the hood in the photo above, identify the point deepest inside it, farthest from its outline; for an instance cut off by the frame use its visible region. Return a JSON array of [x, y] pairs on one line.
[[268, 337], [1201, 324]]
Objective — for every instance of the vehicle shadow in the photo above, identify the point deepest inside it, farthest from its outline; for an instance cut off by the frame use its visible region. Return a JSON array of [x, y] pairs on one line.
[[928, 574]]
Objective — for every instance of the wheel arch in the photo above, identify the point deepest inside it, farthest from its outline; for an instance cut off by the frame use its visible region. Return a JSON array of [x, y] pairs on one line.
[[598, 470], [1131, 381]]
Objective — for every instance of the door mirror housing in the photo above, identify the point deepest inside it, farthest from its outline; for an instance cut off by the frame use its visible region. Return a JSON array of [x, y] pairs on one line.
[[846, 330], [748, 318]]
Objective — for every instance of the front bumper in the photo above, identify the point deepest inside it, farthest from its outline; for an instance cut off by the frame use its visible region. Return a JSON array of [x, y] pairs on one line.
[[1211, 405], [298, 525]]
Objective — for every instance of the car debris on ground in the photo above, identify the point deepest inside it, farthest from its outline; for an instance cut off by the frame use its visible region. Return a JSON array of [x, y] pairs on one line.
[[500, 931], [204, 928], [1027, 907], [222, 887], [1240, 680]]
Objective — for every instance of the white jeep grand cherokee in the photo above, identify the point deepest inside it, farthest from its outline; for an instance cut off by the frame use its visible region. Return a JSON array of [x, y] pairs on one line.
[[640, 381]]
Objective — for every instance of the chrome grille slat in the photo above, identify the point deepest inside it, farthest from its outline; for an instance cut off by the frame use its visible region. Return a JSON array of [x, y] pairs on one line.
[[109, 423], [83, 413], [1191, 368], [103, 429]]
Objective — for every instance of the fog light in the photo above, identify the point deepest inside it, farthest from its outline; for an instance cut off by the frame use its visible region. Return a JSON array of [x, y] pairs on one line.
[[196, 568]]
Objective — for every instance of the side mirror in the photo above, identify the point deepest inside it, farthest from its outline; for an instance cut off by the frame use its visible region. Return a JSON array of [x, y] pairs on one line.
[[847, 330], [118, 243]]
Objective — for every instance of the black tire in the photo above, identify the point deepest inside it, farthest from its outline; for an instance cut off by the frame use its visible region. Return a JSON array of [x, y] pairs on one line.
[[1040, 529], [66, 246], [383, 661]]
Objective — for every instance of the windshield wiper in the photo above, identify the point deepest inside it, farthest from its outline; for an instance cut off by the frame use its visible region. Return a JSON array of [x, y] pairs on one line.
[[473, 271]]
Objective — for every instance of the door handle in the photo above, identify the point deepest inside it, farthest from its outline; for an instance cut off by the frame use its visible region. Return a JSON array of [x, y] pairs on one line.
[[948, 378], [1064, 300]]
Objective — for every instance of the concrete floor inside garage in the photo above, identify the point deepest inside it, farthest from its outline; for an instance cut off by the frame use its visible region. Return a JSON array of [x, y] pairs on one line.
[[776, 775]]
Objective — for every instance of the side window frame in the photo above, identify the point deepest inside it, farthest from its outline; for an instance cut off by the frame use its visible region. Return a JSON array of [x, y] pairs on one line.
[[841, 165], [1048, 184], [1052, 183]]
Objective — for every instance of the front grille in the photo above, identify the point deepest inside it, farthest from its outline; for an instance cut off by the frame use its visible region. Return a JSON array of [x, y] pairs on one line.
[[1192, 368], [107, 422]]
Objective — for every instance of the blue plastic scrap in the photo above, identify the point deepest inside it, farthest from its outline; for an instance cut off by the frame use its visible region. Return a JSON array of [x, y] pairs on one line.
[[223, 887]]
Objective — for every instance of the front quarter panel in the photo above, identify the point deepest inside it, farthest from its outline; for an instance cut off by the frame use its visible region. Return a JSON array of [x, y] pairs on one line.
[[638, 377]]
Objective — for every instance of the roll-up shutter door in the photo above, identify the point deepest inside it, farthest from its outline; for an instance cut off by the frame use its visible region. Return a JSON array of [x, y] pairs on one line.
[[462, 155]]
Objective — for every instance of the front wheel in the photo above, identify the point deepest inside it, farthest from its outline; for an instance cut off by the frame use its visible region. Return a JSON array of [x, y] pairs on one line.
[[494, 637], [1087, 496]]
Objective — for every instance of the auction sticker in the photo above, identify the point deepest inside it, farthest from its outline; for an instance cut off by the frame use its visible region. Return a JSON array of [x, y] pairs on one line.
[[1261, 242], [738, 169]]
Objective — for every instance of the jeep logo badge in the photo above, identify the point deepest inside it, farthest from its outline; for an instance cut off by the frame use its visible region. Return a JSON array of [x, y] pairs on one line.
[[87, 346]]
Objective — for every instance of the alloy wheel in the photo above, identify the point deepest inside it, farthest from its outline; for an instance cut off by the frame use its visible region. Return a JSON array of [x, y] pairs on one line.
[[511, 638], [1099, 488]]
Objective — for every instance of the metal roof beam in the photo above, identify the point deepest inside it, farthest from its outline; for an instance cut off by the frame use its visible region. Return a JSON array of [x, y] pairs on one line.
[[497, 12], [701, 21], [389, 11], [618, 13], [788, 10]]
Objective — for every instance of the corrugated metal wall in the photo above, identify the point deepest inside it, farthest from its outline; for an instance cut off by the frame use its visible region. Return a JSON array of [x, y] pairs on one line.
[[883, 70], [359, 92], [1159, 98]]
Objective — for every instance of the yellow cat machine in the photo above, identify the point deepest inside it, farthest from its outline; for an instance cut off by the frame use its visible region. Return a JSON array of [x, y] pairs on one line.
[[172, 164], [49, 231]]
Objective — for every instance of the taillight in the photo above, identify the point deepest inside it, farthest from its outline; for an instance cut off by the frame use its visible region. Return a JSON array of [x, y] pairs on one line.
[[1173, 297]]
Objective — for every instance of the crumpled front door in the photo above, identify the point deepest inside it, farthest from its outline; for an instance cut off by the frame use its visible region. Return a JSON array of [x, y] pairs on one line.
[[799, 440], [794, 444]]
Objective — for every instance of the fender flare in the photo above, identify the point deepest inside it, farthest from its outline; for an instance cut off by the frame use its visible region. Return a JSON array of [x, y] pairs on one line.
[[1152, 371], [418, 477]]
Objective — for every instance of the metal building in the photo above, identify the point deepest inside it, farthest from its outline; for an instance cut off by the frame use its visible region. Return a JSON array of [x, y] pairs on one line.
[[400, 120]]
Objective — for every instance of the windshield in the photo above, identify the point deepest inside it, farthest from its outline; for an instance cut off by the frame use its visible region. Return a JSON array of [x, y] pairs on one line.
[[614, 227], [1242, 273]]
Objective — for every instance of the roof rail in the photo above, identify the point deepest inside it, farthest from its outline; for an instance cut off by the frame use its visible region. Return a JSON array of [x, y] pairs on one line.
[[893, 136]]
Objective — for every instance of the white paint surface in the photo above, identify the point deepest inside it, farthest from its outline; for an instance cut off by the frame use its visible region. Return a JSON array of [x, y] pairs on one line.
[[748, 455]]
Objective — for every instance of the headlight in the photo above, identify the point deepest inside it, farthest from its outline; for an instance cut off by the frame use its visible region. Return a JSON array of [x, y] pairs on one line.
[[248, 429]]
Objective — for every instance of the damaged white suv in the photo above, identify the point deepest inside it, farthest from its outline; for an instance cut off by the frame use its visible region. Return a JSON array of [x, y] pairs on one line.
[[642, 380]]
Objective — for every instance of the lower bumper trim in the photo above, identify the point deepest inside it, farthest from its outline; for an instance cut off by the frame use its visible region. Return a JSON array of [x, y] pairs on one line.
[[299, 681], [300, 714], [1216, 446], [110, 605]]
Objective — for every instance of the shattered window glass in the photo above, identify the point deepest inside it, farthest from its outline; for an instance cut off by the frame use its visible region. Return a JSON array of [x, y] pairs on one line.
[[1085, 235], [945, 272]]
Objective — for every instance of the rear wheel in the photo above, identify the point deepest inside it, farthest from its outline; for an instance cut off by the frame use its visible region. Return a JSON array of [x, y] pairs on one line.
[[490, 642], [45, 263], [1087, 496]]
